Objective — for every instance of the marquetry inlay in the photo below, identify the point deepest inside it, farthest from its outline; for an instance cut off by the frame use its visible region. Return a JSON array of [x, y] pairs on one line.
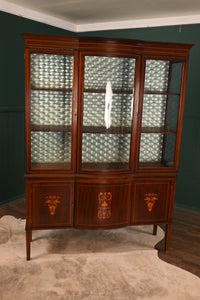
[[52, 201], [104, 205], [150, 199]]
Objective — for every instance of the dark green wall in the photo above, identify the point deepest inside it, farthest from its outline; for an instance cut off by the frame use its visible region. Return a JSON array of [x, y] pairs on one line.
[[12, 155]]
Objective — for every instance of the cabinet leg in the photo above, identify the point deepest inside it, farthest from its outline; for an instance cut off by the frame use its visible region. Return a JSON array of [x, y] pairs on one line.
[[155, 227], [28, 244], [168, 231]]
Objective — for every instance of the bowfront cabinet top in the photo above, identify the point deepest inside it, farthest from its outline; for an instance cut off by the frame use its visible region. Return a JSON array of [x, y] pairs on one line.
[[103, 105]]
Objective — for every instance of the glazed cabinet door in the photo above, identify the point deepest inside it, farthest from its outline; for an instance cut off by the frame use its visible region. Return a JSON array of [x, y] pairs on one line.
[[102, 205], [52, 205], [161, 113], [50, 82], [107, 93]]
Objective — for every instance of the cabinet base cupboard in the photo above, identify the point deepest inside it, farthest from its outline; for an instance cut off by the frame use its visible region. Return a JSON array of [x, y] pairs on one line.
[[103, 131]]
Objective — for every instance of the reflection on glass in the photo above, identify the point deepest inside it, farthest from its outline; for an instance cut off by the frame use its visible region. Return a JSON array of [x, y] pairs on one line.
[[94, 110], [108, 104]]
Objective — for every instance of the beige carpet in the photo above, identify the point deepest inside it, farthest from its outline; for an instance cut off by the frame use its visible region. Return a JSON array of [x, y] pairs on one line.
[[73, 264]]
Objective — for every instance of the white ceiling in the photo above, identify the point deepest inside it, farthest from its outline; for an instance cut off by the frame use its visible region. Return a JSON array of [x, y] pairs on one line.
[[92, 15]]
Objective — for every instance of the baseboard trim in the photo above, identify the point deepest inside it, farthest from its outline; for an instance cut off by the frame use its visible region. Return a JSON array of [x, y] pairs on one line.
[[13, 199], [187, 208]]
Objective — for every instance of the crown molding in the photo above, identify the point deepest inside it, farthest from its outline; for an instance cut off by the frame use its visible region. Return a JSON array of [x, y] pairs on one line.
[[36, 16], [66, 25], [140, 23]]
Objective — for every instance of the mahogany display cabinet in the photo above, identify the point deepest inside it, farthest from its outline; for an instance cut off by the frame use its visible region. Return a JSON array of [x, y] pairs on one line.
[[103, 131]]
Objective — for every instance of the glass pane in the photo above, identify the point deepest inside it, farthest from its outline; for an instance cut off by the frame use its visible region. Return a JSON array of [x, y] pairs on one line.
[[169, 149], [154, 108], [51, 110], [53, 149], [51, 107], [94, 110], [151, 145], [110, 149], [173, 108], [176, 77], [160, 113], [51, 71], [107, 112], [99, 70], [152, 150], [156, 75]]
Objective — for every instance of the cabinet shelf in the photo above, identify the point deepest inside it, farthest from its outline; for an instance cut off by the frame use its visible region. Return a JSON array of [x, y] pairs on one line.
[[125, 130], [52, 128], [54, 166], [146, 92], [103, 91], [102, 129], [51, 89], [157, 130], [105, 166], [155, 165]]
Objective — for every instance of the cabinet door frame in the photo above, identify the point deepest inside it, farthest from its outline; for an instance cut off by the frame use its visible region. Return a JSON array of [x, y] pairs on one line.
[[136, 86], [49, 191], [56, 51], [167, 204], [103, 198], [174, 168]]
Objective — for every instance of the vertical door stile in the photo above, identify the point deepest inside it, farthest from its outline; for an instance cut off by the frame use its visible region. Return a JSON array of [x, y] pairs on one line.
[[135, 113], [74, 111], [141, 78], [80, 109], [167, 109]]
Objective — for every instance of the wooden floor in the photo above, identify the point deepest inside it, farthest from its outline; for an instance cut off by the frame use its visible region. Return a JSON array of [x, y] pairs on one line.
[[184, 251]]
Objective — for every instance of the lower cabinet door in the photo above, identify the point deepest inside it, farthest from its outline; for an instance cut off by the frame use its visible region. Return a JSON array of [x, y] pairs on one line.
[[52, 205], [102, 205], [150, 202]]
